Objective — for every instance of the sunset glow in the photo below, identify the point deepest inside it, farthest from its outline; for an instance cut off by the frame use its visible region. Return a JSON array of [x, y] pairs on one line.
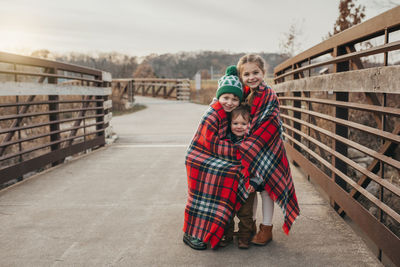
[[20, 34], [144, 27]]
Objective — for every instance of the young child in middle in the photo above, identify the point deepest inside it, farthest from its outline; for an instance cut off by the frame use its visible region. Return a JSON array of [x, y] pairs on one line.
[[239, 125]]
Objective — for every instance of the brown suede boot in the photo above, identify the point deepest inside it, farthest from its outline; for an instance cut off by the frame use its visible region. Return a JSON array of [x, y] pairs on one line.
[[243, 243], [228, 235], [263, 236], [225, 241]]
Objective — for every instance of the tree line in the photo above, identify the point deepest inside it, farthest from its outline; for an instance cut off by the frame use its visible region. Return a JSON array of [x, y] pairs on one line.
[[171, 65]]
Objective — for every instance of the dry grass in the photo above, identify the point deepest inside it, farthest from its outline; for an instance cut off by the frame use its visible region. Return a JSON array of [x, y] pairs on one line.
[[133, 109], [35, 131], [205, 94]]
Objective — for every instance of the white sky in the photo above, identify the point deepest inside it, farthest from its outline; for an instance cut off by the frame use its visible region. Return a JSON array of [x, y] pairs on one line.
[[139, 28]]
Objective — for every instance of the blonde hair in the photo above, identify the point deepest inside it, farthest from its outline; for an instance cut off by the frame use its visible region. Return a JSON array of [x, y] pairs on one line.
[[250, 58]]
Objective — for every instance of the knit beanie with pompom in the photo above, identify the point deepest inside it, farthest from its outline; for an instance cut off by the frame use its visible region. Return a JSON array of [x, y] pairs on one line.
[[230, 83]]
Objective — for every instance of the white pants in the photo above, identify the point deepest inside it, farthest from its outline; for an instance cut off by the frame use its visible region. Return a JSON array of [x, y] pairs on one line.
[[267, 208]]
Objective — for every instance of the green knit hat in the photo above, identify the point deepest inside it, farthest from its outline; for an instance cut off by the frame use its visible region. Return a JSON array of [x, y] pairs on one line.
[[230, 83]]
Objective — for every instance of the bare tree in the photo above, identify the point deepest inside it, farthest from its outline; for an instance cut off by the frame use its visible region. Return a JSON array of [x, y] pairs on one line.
[[42, 53], [349, 15], [290, 44], [144, 70]]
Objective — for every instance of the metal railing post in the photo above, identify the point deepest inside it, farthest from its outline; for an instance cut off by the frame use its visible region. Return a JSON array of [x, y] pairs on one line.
[[54, 117]]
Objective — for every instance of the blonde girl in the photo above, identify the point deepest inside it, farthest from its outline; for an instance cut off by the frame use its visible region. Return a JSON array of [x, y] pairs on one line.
[[270, 167]]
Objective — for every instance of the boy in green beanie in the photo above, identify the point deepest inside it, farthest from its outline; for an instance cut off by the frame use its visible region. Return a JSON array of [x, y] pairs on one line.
[[213, 190], [230, 90]]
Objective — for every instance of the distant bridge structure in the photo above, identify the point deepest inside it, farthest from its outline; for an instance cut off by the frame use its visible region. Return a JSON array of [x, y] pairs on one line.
[[342, 128], [124, 90]]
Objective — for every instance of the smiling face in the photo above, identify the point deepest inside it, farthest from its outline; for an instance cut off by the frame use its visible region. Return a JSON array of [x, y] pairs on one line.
[[252, 75], [229, 102], [239, 125]]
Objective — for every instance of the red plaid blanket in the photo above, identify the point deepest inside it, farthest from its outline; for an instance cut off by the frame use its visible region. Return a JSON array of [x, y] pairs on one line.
[[263, 154], [215, 183], [218, 170]]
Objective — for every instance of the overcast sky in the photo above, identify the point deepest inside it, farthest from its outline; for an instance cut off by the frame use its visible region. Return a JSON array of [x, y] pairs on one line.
[[139, 28]]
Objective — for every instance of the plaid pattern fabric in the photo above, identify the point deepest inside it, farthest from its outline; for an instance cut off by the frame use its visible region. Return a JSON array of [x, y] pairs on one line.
[[216, 186], [263, 154]]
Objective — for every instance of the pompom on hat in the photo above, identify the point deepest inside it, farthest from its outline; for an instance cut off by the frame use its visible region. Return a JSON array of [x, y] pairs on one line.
[[230, 83]]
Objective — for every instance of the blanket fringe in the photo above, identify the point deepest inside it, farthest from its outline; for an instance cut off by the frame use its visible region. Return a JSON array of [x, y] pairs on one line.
[[285, 228]]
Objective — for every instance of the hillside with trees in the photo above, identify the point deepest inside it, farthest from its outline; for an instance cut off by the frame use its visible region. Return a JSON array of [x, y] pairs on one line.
[[177, 65], [187, 64]]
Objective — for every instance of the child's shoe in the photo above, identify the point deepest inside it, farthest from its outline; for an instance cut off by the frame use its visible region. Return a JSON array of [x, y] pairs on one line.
[[193, 242], [243, 242], [263, 236], [225, 241], [228, 235]]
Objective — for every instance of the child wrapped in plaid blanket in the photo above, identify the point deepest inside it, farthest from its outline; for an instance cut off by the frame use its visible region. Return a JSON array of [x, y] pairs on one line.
[[215, 185], [218, 170], [262, 152]]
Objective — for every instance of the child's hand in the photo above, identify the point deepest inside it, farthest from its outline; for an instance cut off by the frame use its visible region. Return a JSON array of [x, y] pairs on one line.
[[251, 189]]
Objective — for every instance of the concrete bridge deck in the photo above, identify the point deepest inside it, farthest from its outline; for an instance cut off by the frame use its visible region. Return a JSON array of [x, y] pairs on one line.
[[123, 206]]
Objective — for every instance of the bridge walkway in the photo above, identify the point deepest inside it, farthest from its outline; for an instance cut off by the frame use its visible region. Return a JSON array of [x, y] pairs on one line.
[[123, 206]]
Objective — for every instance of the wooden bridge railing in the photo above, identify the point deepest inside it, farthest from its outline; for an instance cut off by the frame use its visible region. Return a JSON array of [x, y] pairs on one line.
[[48, 111], [343, 128], [123, 94], [167, 88]]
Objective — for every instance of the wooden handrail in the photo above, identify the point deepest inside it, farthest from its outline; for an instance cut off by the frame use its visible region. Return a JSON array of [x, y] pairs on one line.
[[372, 51], [44, 63], [371, 28]]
